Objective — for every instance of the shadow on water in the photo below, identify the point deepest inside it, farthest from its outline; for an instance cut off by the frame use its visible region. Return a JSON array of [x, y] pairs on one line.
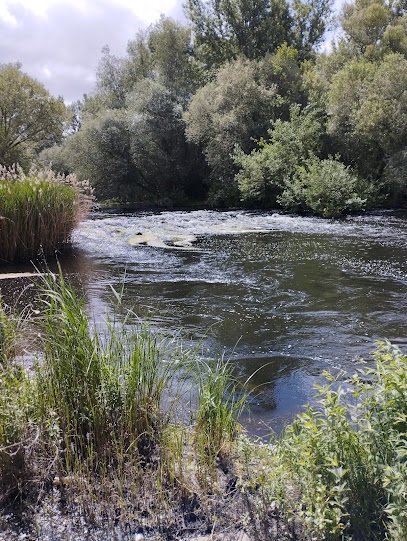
[[293, 295]]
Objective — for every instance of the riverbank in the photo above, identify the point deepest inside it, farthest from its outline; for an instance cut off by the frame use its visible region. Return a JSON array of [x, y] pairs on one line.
[[92, 445]]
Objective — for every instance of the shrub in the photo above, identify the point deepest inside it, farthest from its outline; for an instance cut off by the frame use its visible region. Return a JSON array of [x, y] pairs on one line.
[[325, 187], [339, 469], [38, 211], [264, 172]]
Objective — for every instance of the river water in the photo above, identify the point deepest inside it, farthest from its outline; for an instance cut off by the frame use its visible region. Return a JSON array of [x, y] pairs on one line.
[[282, 295]]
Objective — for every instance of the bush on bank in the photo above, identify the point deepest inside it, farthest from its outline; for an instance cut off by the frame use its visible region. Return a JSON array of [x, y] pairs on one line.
[[38, 212]]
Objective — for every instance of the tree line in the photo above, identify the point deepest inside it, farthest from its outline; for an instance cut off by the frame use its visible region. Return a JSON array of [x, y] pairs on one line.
[[236, 107]]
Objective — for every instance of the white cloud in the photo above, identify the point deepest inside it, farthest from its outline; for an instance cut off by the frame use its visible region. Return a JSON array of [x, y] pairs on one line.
[[59, 42], [5, 14]]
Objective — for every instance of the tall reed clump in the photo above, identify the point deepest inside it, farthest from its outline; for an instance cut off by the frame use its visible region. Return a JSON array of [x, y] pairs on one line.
[[38, 211], [339, 471], [103, 391], [99, 414], [219, 407]]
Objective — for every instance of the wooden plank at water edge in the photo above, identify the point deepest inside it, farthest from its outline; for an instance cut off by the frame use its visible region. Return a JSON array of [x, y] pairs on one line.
[[11, 275]]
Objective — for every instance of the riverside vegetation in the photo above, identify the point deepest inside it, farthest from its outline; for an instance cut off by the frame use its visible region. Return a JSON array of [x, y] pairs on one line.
[[239, 106], [98, 424], [38, 211]]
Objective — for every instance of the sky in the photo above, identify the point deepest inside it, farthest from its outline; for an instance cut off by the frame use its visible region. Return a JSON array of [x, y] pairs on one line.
[[59, 42]]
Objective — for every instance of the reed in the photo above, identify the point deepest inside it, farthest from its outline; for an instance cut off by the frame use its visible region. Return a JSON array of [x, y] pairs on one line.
[[99, 416], [38, 212], [16, 429], [220, 404]]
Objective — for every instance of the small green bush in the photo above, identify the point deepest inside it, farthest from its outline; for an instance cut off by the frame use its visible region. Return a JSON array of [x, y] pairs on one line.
[[340, 469], [38, 212], [325, 187], [264, 172]]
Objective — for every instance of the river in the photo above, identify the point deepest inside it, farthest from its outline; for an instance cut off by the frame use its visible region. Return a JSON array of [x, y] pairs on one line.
[[282, 295]]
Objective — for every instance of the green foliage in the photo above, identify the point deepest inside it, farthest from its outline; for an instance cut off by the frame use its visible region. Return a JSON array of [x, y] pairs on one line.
[[219, 408], [367, 111], [16, 434], [170, 48], [30, 119], [104, 392], [339, 468], [310, 20], [265, 172], [235, 109], [130, 139], [365, 21], [374, 28], [325, 187], [137, 153], [227, 29], [394, 179], [161, 53], [38, 212]]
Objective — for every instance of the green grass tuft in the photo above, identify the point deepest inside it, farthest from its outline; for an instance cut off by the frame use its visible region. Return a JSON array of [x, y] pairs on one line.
[[38, 212]]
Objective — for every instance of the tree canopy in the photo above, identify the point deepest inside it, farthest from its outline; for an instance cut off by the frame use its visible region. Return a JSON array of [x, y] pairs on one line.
[[30, 118], [240, 108], [226, 29]]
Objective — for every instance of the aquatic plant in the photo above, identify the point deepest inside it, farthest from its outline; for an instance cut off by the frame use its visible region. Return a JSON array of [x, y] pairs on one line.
[[218, 410], [38, 211]]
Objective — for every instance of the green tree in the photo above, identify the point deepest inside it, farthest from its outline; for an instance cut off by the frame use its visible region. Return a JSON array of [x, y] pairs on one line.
[[233, 109], [364, 22], [30, 118], [367, 106], [137, 153], [226, 29], [267, 170], [161, 53], [110, 80], [374, 28], [325, 187], [170, 47], [311, 19]]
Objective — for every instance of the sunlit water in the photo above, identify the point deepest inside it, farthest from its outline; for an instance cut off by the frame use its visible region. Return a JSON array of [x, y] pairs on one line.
[[292, 295]]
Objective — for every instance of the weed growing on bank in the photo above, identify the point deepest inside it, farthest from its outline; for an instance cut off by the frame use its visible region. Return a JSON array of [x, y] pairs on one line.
[[38, 211], [98, 417], [338, 472]]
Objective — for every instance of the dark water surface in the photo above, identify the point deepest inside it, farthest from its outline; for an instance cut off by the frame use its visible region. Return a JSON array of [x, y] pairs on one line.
[[294, 295]]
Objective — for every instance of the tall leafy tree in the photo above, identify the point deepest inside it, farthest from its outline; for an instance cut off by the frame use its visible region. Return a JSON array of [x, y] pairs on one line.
[[226, 29], [310, 20], [236, 109], [367, 106], [374, 28], [136, 153], [30, 118], [161, 53]]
